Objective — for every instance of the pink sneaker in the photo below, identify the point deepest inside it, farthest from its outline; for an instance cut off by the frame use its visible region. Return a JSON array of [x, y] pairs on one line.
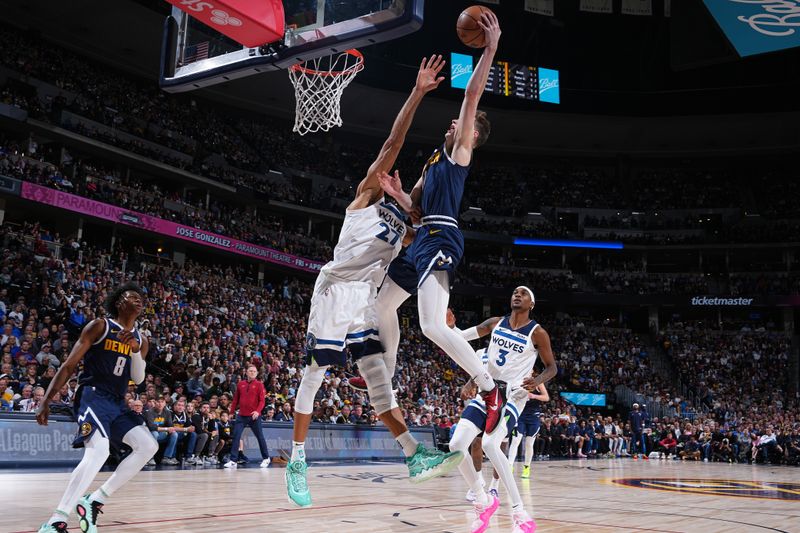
[[483, 515], [523, 523]]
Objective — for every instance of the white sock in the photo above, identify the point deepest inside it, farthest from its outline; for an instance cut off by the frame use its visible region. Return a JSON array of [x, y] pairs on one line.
[[529, 442], [494, 484], [94, 456], [100, 496], [408, 443], [58, 516], [518, 508], [298, 451]]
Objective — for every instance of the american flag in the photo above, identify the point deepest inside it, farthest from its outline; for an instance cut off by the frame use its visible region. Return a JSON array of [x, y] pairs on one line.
[[195, 52]]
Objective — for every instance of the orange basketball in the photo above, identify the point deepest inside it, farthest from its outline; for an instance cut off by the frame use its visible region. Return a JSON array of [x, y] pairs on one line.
[[470, 33]]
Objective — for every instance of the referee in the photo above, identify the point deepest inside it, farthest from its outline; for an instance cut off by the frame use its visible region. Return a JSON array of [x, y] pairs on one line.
[[249, 398]]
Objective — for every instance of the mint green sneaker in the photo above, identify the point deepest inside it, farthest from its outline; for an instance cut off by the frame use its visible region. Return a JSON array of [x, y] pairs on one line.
[[296, 485], [88, 510], [427, 464]]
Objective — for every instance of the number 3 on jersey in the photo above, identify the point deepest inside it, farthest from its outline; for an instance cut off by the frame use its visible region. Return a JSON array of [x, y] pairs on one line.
[[501, 357], [384, 235], [120, 366]]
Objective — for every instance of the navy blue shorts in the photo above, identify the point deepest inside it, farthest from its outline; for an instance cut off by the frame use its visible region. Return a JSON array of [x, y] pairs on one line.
[[435, 247], [97, 410], [529, 425], [475, 412]]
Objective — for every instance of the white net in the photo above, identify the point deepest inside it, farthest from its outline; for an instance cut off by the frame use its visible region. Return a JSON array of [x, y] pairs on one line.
[[318, 86]]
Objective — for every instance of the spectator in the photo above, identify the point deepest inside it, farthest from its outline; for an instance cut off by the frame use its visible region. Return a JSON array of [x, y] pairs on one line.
[[249, 398], [159, 422]]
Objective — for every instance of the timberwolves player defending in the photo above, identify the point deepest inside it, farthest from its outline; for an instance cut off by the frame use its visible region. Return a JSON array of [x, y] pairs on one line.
[[515, 343], [437, 249], [113, 353], [343, 307]]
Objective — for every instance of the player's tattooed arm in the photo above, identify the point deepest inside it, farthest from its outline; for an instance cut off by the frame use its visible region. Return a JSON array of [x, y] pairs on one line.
[[428, 79], [93, 331], [542, 341], [475, 332], [486, 327]]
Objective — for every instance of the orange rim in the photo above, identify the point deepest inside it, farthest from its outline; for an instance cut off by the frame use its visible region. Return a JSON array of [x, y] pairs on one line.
[[359, 64]]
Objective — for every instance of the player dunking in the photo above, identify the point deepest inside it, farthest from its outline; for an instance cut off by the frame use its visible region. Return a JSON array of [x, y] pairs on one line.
[[438, 247], [343, 307], [515, 343], [113, 353]]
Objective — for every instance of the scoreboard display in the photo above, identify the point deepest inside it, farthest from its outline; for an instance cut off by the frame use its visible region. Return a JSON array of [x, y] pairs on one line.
[[508, 79]]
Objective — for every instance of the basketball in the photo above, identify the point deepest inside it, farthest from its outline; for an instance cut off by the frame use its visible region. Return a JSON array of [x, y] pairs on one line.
[[470, 33]]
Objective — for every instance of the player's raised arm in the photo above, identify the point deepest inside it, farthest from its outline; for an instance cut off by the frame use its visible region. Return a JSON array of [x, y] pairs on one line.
[[93, 331], [428, 79], [542, 341], [465, 135]]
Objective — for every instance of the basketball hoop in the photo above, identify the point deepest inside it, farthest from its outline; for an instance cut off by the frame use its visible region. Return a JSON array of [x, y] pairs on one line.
[[318, 86]]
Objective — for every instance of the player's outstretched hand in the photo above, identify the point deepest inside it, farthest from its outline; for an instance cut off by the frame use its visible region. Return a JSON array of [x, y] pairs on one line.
[[128, 338], [528, 384], [42, 413], [391, 184], [428, 76], [469, 390], [491, 27]]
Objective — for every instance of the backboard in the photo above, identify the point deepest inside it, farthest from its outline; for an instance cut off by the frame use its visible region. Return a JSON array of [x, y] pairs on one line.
[[194, 55]]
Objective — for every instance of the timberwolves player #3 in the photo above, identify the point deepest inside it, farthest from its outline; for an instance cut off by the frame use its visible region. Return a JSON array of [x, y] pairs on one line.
[[515, 343]]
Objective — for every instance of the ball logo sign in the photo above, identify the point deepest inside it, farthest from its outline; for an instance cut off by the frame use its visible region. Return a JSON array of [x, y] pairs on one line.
[[549, 86], [758, 26], [222, 18], [460, 70]]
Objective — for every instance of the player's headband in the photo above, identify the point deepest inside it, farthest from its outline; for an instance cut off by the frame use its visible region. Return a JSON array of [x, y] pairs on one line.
[[526, 289]]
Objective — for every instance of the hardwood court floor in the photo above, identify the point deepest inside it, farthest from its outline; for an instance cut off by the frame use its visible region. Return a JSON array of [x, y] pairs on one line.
[[564, 496]]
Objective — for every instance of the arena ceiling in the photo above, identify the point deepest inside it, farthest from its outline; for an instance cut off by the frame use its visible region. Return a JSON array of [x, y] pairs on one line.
[[631, 84]]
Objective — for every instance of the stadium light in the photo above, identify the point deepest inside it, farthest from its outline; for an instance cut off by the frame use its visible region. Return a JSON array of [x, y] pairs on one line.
[[605, 245]]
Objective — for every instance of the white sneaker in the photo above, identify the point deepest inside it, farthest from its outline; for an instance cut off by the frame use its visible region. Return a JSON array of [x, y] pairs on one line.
[[265, 463], [470, 497], [230, 464], [151, 462], [523, 523]]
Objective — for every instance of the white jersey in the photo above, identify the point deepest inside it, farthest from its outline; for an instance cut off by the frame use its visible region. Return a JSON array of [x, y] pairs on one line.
[[512, 352], [370, 239]]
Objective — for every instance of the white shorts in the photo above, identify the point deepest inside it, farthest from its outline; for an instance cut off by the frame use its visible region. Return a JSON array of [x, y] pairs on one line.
[[342, 314]]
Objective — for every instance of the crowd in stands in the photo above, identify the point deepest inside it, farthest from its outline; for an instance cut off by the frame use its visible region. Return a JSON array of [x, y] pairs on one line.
[[741, 380], [234, 148], [616, 282], [206, 325]]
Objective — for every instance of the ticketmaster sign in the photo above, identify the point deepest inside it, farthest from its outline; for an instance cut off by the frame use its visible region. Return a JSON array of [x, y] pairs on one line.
[[758, 26], [704, 300]]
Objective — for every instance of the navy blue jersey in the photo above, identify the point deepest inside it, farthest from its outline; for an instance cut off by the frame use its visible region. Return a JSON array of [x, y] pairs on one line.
[[107, 364], [532, 408], [443, 186]]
